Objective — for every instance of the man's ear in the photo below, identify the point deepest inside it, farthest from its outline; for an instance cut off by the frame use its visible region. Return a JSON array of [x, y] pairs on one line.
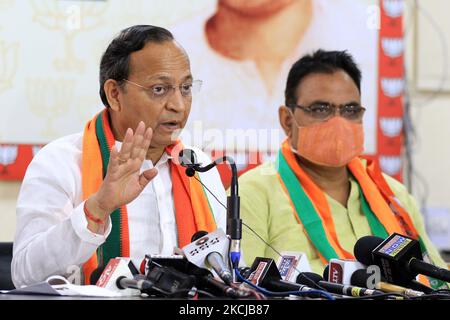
[[113, 91], [286, 120]]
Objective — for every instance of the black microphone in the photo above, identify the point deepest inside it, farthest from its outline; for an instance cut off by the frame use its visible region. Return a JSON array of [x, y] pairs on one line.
[[265, 274], [309, 279], [95, 275], [169, 281], [188, 159], [337, 288], [204, 279], [399, 257], [198, 235], [361, 278], [138, 282]]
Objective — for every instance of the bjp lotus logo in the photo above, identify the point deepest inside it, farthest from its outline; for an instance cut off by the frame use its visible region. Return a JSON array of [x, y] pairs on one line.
[[50, 99], [35, 149], [391, 127], [391, 164], [392, 87], [8, 64], [8, 155], [70, 19], [392, 47], [393, 8]]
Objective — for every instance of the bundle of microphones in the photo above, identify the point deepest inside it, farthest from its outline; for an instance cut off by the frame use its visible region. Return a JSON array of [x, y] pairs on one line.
[[200, 268], [209, 266], [385, 269]]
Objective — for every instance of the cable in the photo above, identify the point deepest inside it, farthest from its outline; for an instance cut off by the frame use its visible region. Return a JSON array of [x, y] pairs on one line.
[[254, 232], [174, 294], [243, 223], [204, 186], [285, 293], [432, 296], [377, 296]]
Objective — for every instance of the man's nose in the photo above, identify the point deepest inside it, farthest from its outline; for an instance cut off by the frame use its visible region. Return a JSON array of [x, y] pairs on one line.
[[176, 102]]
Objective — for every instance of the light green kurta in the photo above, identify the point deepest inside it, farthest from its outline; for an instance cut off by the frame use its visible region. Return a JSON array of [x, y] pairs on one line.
[[266, 209]]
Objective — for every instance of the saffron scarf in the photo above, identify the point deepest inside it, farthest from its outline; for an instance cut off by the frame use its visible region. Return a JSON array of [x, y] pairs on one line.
[[192, 209], [384, 212]]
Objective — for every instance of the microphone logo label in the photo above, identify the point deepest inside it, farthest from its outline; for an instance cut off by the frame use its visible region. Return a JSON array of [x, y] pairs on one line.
[[336, 272], [204, 244], [395, 245], [256, 275]]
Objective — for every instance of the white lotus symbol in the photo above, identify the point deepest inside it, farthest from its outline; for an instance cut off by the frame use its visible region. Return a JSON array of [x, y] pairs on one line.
[[391, 127], [392, 47], [8, 155], [392, 87], [393, 8], [390, 164]]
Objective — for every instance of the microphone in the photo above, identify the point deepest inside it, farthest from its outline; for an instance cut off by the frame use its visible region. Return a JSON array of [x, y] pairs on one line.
[[265, 274], [95, 275], [309, 279], [399, 257], [203, 277], [290, 264], [337, 288], [138, 282], [188, 159], [115, 269], [167, 280], [210, 251], [340, 271], [361, 278]]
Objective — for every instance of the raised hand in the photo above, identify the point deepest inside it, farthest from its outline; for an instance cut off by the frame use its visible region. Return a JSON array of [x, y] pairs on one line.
[[123, 181]]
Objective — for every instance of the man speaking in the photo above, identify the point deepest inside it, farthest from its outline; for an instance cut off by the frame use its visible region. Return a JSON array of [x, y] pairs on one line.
[[114, 190]]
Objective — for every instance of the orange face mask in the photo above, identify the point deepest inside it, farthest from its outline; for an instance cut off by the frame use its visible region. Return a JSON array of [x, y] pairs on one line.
[[332, 143]]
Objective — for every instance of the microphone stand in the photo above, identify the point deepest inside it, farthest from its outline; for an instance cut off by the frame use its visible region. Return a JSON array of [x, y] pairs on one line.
[[234, 222]]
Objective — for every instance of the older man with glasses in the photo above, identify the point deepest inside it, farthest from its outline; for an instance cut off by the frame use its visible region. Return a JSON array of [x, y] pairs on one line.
[[112, 191], [319, 196]]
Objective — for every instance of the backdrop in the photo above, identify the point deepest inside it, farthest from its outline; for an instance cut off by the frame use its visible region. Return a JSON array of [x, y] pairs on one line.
[[50, 52]]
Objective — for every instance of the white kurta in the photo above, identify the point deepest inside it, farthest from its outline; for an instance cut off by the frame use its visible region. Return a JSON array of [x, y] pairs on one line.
[[52, 234]]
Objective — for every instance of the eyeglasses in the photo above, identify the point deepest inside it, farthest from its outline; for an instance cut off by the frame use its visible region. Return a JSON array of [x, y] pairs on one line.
[[161, 91], [323, 111]]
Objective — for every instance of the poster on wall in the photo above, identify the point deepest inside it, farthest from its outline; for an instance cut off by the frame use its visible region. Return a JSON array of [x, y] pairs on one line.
[[241, 50]]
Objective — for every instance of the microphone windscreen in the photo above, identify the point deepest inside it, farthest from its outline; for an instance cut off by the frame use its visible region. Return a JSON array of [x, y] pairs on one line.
[[309, 279], [95, 275], [363, 249], [245, 272], [359, 278], [326, 273], [198, 235], [187, 157]]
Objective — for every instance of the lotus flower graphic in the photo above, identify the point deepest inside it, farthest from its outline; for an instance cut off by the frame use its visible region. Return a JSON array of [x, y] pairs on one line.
[[392, 47], [35, 149], [392, 87], [391, 127], [390, 164], [70, 19], [393, 8], [49, 98], [8, 155]]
